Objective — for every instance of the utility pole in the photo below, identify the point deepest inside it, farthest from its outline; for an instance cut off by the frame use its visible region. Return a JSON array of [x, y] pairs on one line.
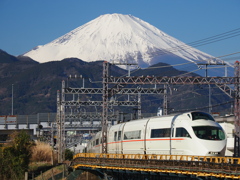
[[61, 124], [12, 99], [237, 111], [165, 100], [209, 99], [105, 106]]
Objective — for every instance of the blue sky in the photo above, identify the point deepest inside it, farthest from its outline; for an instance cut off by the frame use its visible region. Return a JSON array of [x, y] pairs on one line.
[[28, 23]]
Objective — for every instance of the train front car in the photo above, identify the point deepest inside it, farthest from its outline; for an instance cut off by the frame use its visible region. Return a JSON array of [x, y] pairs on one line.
[[191, 133], [200, 135]]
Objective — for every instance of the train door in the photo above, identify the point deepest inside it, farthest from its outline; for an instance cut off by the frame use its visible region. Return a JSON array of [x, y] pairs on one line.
[[158, 136], [114, 139], [159, 141], [180, 142], [133, 137], [118, 138], [117, 144], [111, 142]]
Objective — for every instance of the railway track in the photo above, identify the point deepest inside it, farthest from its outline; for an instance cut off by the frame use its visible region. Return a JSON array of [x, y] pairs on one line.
[[208, 166]]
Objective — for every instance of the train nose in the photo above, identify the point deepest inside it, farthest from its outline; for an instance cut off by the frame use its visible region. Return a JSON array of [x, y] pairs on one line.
[[217, 153]]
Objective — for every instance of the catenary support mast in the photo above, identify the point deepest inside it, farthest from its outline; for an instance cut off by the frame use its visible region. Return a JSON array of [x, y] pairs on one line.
[[237, 110], [61, 124], [105, 106]]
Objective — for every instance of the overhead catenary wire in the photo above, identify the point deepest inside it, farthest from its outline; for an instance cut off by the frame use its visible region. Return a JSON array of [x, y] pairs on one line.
[[201, 69], [234, 31], [191, 62], [202, 42], [205, 107], [204, 87], [194, 63], [228, 54], [196, 108], [232, 58]]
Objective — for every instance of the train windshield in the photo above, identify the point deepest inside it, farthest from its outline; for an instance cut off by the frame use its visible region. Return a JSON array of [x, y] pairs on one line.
[[201, 115], [209, 132]]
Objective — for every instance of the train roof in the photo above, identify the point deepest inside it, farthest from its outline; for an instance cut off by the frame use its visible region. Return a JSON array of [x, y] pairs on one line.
[[189, 114]]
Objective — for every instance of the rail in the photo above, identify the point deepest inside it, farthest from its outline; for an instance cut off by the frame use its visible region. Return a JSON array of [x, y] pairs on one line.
[[215, 159], [208, 166]]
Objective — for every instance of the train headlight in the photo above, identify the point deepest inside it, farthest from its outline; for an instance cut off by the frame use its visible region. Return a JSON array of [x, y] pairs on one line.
[[213, 153]]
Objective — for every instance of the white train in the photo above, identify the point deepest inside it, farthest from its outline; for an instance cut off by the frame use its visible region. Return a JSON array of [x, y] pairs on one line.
[[191, 133]]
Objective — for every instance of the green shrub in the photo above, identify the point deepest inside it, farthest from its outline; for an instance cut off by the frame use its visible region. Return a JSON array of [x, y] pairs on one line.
[[15, 156], [68, 154]]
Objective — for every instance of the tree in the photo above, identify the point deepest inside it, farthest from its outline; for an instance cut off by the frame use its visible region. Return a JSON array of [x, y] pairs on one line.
[[15, 156], [68, 154]]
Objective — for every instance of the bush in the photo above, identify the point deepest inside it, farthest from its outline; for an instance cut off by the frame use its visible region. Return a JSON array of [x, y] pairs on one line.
[[42, 152], [68, 154], [15, 156]]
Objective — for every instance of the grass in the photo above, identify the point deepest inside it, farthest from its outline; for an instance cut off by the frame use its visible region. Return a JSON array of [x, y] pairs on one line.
[[42, 161], [42, 152]]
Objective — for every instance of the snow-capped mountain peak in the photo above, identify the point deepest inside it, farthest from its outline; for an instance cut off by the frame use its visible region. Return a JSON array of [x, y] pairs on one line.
[[118, 38]]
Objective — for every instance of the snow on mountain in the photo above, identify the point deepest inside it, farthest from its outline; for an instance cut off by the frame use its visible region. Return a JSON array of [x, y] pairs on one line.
[[119, 38]]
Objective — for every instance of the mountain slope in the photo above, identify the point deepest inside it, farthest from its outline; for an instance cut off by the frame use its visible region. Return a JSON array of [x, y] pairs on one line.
[[36, 84], [119, 38], [7, 58]]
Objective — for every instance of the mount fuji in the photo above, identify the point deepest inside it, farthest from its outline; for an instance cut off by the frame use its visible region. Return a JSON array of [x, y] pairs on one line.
[[122, 39]]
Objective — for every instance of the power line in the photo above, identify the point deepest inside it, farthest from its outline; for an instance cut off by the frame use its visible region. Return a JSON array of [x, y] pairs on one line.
[[228, 54], [193, 63], [232, 58], [209, 40], [216, 36], [205, 107]]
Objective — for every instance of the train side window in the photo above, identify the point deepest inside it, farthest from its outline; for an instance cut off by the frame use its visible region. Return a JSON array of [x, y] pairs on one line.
[[157, 133], [182, 132], [119, 135], [97, 141], [132, 135], [115, 136]]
